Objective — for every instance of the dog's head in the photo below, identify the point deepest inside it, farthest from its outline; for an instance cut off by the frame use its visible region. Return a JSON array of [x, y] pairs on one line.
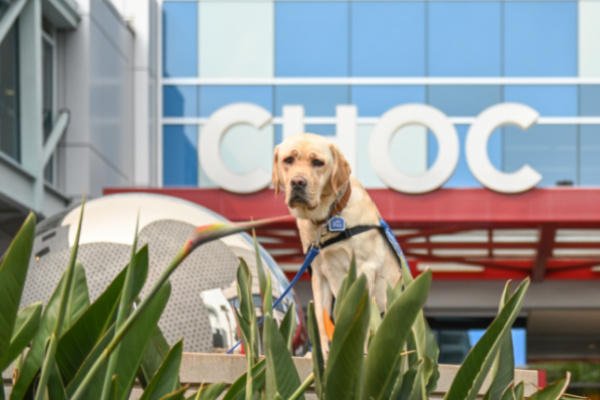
[[311, 171]]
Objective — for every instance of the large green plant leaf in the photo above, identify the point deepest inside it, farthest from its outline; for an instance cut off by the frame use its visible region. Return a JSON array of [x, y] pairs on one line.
[[347, 283], [470, 376], [33, 361], [409, 388], [554, 391], [210, 392], [288, 325], [262, 278], [155, 353], [503, 368], [237, 391], [26, 325], [385, 352], [317, 352], [343, 374], [13, 271], [282, 376], [79, 340], [122, 312], [247, 313], [166, 379], [135, 340], [56, 390]]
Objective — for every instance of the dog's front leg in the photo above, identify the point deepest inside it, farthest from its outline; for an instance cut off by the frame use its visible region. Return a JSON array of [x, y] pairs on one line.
[[323, 299]]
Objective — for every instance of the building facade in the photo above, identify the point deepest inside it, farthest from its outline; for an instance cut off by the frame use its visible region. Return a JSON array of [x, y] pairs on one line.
[[475, 126]]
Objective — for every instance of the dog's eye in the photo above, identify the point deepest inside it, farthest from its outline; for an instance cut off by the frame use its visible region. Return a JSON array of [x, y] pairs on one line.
[[317, 163], [289, 160]]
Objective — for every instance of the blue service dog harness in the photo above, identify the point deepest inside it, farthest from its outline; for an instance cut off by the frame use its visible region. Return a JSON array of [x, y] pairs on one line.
[[332, 225]]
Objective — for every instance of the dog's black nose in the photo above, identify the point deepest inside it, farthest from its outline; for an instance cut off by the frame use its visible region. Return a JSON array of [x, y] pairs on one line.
[[298, 182]]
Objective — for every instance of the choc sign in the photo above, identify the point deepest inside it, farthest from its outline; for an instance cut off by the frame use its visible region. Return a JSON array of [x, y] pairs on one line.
[[381, 136]]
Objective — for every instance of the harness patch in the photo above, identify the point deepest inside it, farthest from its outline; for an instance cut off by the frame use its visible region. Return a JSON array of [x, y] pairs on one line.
[[337, 224]]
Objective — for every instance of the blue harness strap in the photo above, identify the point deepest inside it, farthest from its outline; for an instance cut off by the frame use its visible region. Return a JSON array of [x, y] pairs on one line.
[[310, 256], [314, 252]]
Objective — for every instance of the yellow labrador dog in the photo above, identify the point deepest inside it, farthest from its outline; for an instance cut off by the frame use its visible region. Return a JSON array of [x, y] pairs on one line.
[[317, 183]]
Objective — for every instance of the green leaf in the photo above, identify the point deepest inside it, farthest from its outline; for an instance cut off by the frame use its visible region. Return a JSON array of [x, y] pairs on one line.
[[317, 353], [504, 364], [554, 391], [79, 340], [346, 284], [135, 340], [166, 379], [47, 365], [520, 391], [470, 376], [342, 378], [25, 327], [56, 390], [176, 395], [282, 376], [288, 325], [268, 297], [13, 271], [247, 312], [393, 293], [386, 348], [122, 312], [262, 278], [79, 297], [410, 388], [33, 361], [155, 353], [211, 392], [237, 391], [374, 321], [509, 394]]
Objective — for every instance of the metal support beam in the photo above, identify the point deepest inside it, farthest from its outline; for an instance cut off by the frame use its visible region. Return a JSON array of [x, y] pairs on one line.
[[10, 16], [544, 252], [57, 133]]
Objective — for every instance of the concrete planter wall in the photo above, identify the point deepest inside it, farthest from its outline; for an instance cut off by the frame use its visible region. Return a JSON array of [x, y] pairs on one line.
[[209, 368]]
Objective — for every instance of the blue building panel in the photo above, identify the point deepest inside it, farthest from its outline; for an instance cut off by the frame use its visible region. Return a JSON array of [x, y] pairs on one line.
[[462, 176], [318, 101], [464, 38], [180, 101], [464, 100], [311, 38], [180, 155], [589, 155], [373, 101], [180, 39], [558, 100], [589, 100], [214, 97], [549, 149], [540, 38], [387, 38]]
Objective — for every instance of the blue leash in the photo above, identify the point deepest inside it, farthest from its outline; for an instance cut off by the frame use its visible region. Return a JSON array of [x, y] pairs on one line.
[[314, 252]]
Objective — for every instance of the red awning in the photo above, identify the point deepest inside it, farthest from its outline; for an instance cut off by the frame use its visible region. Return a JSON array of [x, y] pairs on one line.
[[459, 233]]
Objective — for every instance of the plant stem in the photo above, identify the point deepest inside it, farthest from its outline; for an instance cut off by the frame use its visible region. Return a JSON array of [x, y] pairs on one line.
[[302, 388]]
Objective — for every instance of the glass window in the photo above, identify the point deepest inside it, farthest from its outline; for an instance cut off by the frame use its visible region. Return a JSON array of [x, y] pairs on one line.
[[464, 38], [318, 101], [549, 149], [540, 38], [464, 101], [236, 39], [180, 101], [9, 95], [214, 97], [48, 92], [180, 155], [589, 156], [373, 101], [180, 39], [311, 38], [388, 38], [559, 100]]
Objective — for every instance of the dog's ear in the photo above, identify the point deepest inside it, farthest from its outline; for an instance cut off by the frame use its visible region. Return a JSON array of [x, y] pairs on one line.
[[341, 169], [275, 177]]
